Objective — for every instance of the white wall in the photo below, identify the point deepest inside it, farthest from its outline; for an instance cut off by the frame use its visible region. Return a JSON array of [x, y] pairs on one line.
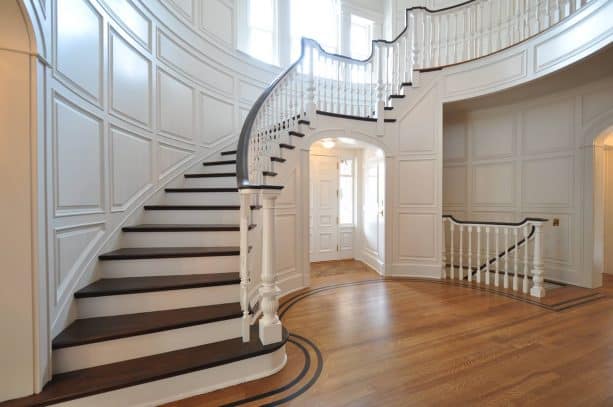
[[528, 159], [608, 213], [130, 94]]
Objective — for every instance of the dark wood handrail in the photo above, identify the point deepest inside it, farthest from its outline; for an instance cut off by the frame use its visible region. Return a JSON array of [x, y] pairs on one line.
[[242, 151], [520, 223]]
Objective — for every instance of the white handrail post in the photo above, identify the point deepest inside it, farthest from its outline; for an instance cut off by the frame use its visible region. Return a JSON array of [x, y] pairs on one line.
[[310, 96], [245, 197], [270, 326], [537, 289]]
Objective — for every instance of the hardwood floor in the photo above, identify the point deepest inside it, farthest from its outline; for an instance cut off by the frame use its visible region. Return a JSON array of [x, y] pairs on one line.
[[404, 342]]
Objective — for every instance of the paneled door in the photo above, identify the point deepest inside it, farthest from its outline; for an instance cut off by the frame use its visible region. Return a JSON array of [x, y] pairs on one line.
[[324, 208], [373, 205]]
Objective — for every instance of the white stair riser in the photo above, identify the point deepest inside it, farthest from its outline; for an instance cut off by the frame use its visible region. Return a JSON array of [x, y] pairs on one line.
[[190, 384], [180, 239], [201, 198], [214, 182], [169, 267], [207, 169], [116, 350], [191, 217], [109, 305]]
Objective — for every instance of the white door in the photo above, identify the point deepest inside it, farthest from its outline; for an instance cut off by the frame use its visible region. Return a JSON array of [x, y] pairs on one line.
[[324, 208]]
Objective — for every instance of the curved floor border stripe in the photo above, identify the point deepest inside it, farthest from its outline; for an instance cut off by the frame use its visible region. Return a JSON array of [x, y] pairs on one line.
[[320, 366], [294, 381], [291, 301]]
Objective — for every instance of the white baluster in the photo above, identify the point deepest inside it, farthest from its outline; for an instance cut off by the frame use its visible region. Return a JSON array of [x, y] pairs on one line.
[[537, 290], [270, 327], [497, 272], [487, 254], [515, 260], [452, 268], [461, 254], [506, 258], [443, 252], [470, 253], [526, 263], [479, 254]]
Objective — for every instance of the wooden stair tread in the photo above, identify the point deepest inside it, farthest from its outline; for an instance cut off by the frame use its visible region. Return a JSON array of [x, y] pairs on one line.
[[99, 379], [287, 146], [133, 253], [210, 189], [133, 285], [91, 330], [269, 173], [212, 175], [221, 162], [277, 159], [196, 207], [183, 228], [229, 152]]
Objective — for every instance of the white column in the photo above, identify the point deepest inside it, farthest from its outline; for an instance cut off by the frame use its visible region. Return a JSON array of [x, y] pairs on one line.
[[270, 326], [537, 289]]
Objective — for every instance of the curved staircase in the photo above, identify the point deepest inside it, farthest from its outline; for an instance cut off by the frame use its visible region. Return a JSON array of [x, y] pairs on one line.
[[166, 313]]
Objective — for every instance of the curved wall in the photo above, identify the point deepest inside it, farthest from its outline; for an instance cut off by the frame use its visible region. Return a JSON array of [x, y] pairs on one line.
[[130, 94]]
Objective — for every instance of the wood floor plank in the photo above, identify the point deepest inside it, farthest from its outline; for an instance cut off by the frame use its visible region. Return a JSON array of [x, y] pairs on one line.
[[415, 343]]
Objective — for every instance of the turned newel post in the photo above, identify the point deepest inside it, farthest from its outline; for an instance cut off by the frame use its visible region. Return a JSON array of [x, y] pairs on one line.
[[245, 275], [537, 289], [270, 325]]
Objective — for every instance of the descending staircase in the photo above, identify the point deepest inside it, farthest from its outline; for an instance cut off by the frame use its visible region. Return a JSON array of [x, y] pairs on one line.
[[167, 304]]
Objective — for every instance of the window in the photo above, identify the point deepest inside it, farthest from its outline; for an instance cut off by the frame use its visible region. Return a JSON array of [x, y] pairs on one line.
[[346, 194], [260, 38], [316, 19], [361, 37]]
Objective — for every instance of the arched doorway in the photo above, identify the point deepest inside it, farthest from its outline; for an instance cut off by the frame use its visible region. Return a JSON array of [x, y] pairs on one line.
[[347, 201], [23, 290]]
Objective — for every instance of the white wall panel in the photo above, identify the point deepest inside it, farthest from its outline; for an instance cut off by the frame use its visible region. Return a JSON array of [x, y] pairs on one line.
[[130, 81], [596, 103], [218, 19], [185, 7], [493, 184], [547, 182], [416, 234], [79, 26], [198, 69], [548, 127], [454, 147], [217, 117], [176, 101], [169, 157], [417, 126], [131, 170], [492, 136], [285, 228], [454, 185], [132, 19], [417, 187], [78, 146], [72, 245]]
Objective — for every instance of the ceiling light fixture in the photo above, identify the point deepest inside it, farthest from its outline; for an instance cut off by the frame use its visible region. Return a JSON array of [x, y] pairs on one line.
[[328, 143], [346, 140]]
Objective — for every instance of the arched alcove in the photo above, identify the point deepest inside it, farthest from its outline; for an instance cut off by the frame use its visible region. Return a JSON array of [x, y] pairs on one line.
[[23, 290]]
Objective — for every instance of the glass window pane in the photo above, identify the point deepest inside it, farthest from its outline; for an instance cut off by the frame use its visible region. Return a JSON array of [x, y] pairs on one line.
[[346, 200], [261, 14], [361, 37], [316, 19], [346, 167], [260, 45]]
